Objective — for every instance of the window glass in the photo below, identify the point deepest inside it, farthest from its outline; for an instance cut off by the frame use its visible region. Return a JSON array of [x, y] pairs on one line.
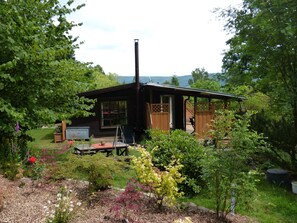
[[113, 113]]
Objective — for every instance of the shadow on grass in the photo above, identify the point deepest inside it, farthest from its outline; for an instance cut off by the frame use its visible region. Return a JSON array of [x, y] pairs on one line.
[[48, 136]]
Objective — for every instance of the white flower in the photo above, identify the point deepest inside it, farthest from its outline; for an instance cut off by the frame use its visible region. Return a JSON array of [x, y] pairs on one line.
[[78, 203], [56, 205], [49, 202], [70, 209], [64, 198]]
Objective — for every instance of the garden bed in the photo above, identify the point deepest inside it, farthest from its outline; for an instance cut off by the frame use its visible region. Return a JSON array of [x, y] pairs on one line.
[[25, 201]]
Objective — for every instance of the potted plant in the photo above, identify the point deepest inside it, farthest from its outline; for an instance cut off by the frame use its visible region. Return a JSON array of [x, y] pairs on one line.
[[58, 134]]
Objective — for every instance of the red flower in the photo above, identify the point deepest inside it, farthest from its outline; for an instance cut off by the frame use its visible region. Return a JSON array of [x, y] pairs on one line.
[[32, 159], [70, 143]]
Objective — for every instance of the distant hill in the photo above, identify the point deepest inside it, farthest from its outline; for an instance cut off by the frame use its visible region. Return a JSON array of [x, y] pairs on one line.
[[183, 80]]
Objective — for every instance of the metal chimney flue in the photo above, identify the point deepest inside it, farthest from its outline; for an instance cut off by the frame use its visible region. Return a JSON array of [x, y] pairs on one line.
[[136, 62]]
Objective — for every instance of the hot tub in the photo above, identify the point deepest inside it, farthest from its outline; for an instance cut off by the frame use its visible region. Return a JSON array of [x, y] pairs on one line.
[[78, 132]]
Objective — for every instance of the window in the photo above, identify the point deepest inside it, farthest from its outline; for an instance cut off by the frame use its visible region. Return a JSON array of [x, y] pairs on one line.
[[113, 113]]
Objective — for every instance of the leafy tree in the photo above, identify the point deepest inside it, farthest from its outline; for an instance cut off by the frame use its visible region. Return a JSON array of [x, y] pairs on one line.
[[201, 79], [174, 81], [198, 74], [211, 85], [263, 54], [98, 79], [39, 78]]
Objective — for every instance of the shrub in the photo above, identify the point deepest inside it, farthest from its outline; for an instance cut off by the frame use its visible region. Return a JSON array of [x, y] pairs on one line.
[[178, 144], [12, 170], [100, 178], [162, 184], [13, 151], [130, 201], [226, 166], [98, 169]]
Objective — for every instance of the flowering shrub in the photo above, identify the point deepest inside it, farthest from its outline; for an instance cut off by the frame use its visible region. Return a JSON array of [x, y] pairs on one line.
[[32, 160], [70, 143], [63, 208], [162, 184], [13, 150]]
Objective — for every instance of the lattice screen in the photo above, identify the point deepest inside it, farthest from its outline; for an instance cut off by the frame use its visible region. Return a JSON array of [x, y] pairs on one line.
[[157, 108], [206, 106]]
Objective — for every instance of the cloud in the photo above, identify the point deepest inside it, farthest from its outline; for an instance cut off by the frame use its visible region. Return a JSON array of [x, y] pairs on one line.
[[175, 36]]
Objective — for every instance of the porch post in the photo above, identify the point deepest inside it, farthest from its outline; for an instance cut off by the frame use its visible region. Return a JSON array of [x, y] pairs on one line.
[[209, 104], [137, 83], [195, 112]]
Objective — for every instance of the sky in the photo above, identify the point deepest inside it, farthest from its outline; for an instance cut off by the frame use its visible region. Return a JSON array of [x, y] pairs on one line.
[[175, 36]]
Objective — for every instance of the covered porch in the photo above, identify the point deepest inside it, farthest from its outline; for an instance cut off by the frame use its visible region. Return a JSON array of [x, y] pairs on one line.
[[188, 109]]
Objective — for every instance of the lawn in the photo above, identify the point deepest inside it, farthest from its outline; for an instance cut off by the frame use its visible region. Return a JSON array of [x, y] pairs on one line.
[[272, 204], [67, 162]]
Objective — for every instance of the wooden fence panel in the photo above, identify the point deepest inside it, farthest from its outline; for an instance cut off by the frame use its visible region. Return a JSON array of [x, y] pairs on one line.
[[202, 123], [161, 121], [158, 116]]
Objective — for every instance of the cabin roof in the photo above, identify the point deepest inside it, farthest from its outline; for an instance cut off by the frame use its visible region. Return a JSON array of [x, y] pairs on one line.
[[167, 89], [193, 92]]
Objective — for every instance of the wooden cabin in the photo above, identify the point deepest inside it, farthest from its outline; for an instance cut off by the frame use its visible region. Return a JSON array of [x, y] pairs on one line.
[[149, 105]]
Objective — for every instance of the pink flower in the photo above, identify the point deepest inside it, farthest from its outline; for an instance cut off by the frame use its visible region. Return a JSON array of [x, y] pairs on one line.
[[17, 127], [70, 143], [32, 159]]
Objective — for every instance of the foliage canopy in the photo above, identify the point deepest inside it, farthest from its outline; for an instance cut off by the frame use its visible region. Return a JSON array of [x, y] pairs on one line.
[[263, 54]]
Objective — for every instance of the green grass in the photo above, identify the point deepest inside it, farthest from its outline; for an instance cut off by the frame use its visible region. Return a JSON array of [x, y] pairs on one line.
[[68, 164], [42, 138], [272, 204]]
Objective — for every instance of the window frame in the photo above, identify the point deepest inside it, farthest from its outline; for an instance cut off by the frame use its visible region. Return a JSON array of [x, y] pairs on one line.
[[113, 112]]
